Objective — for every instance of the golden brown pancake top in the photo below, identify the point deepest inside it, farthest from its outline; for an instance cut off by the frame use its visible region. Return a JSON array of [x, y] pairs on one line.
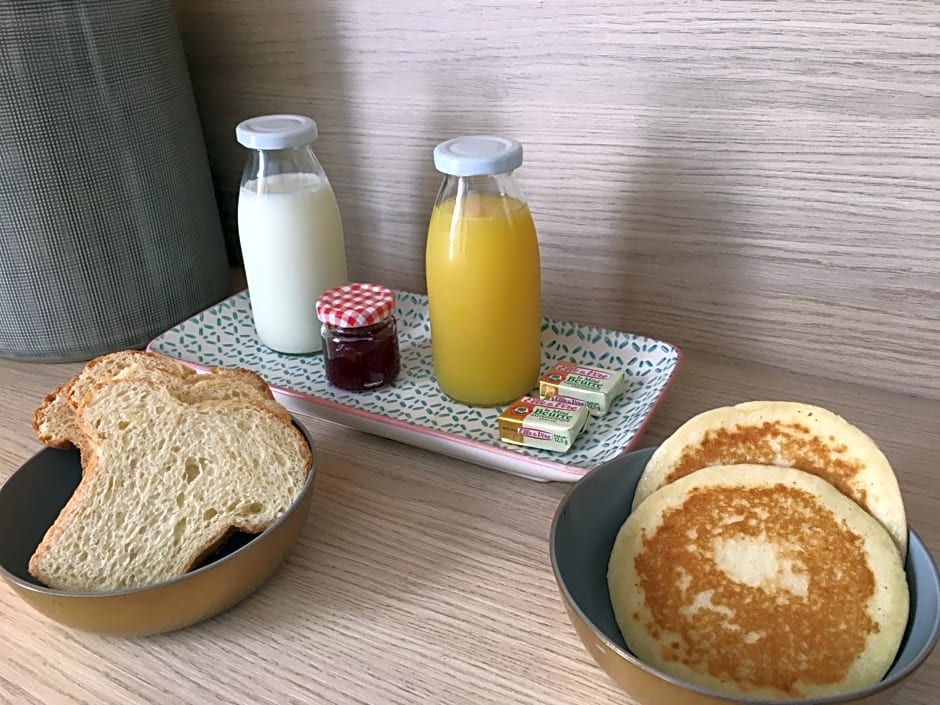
[[763, 444], [806, 622]]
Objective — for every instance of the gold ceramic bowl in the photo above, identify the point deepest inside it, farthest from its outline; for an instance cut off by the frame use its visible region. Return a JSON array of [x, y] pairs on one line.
[[31, 500], [582, 535]]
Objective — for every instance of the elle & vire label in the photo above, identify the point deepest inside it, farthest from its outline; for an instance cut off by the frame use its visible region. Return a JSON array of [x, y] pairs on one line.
[[550, 424], [597, 388]]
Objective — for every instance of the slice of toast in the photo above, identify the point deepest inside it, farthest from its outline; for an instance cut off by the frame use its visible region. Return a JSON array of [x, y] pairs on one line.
[[167, 481], [54, 419]]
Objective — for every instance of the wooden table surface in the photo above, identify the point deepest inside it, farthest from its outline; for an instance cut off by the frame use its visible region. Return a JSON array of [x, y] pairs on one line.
[[418, 578]]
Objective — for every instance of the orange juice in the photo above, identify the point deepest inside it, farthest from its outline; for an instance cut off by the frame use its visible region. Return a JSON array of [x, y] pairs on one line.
[[483, 282]]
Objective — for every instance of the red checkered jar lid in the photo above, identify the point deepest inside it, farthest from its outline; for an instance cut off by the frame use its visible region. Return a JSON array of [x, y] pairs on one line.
[[355, 305]]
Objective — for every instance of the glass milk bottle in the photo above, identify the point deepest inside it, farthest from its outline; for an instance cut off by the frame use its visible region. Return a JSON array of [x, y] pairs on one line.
[[290, 231], [483, 274]]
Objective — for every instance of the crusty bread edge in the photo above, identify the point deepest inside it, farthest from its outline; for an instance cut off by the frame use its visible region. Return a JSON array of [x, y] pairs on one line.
[[40, 412], [250, 377], [141, 355]]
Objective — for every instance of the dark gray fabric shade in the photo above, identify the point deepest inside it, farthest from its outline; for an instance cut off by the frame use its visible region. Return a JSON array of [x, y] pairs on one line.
[[109, 230]]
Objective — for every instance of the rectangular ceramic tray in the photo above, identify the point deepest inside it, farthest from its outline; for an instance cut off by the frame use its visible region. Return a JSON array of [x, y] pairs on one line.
[[413, 410]]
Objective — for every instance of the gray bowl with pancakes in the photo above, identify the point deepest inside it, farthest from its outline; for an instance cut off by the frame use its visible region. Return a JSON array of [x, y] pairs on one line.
[[749, 579]]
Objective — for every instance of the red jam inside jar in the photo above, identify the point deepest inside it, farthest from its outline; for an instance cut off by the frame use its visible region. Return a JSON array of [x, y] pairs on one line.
[[360, 336]]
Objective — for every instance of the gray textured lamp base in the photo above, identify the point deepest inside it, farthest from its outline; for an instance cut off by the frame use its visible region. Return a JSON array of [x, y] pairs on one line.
[[109, 230]]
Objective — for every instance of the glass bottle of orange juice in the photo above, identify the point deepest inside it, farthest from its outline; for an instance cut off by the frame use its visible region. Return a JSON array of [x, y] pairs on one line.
[[483, 279]]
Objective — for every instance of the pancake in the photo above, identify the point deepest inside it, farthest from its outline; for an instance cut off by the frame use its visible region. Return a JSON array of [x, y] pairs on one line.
[[757, 581], [794, 435]]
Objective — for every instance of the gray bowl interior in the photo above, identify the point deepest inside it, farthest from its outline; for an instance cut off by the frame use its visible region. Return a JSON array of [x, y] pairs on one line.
[[30, 501], [592, 513], [33, 496]]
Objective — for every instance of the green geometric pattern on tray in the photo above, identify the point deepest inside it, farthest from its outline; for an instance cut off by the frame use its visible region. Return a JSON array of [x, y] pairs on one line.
[[224, 336]]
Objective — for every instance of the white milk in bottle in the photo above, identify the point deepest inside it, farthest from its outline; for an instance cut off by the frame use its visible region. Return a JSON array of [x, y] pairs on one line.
[[290, 231]]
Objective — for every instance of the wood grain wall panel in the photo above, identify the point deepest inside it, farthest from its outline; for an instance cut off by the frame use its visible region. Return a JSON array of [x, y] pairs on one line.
[[758, 179]]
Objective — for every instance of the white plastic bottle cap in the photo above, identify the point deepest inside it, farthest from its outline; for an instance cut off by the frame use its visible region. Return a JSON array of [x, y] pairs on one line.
[[477, 155], [276, 131]]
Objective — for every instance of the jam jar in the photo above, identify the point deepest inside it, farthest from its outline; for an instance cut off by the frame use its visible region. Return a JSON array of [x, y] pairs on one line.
[[360, 336]]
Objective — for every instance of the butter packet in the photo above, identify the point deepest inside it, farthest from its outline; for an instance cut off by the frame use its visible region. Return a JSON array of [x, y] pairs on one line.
[[597, 388], [550, 424]]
